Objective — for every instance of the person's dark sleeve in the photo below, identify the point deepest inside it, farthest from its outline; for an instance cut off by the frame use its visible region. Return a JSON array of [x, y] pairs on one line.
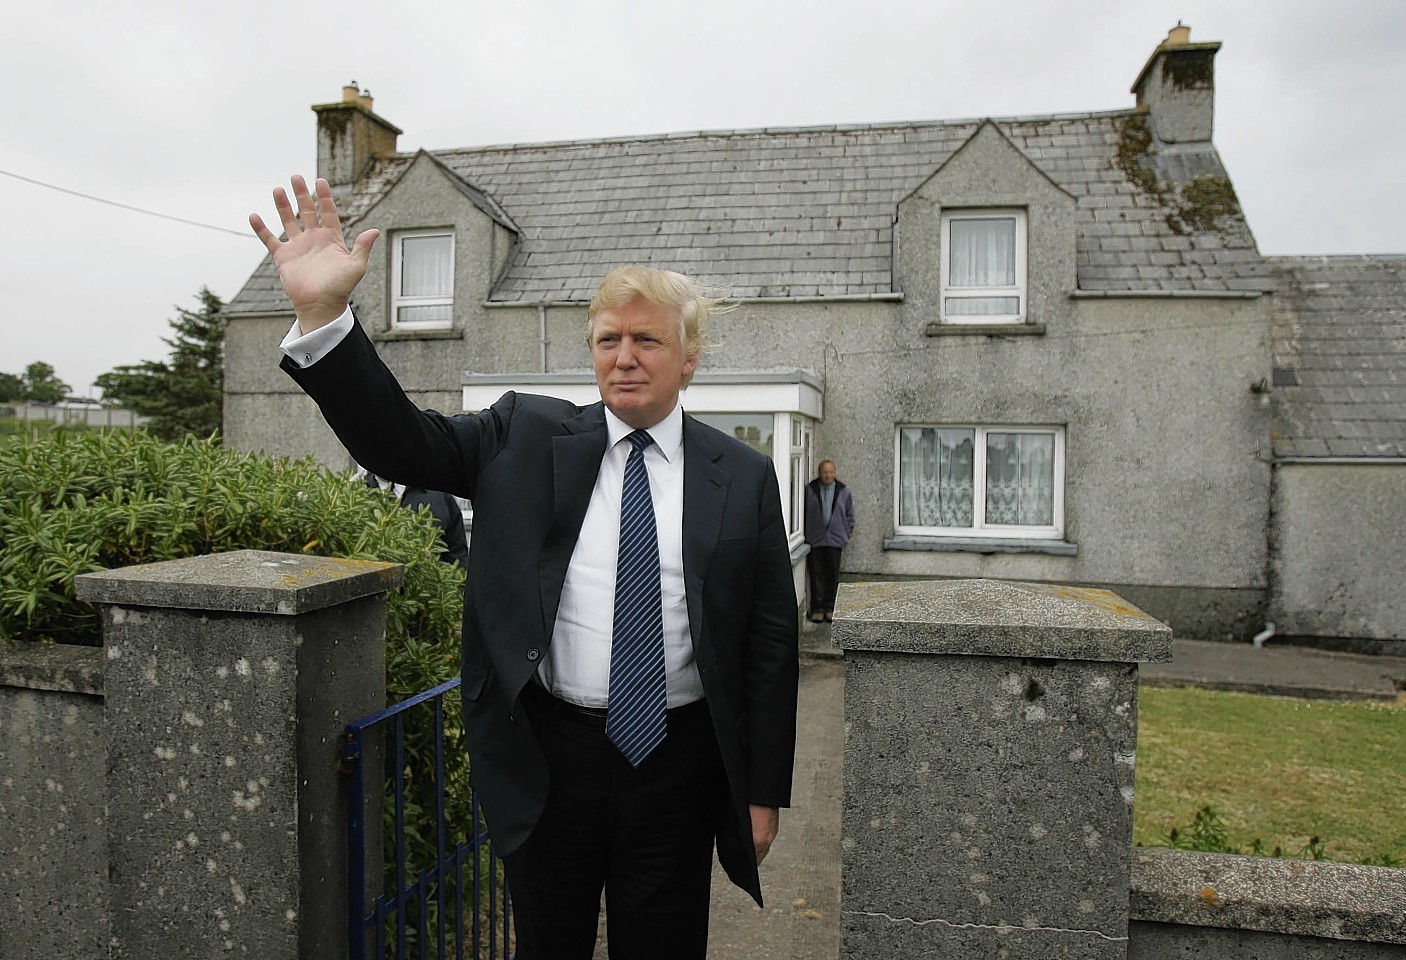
[[772, 670], [456, 545], [387, 434]]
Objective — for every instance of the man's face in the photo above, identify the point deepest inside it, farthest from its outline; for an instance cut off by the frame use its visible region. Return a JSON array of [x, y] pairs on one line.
[[827, 473], [640, 359]]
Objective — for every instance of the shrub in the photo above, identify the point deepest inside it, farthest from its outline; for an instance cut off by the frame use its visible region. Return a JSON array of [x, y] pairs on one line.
[[75, 502]]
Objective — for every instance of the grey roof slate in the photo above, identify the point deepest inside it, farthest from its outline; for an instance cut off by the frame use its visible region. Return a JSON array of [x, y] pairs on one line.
[[1340, 331], [809, 211]]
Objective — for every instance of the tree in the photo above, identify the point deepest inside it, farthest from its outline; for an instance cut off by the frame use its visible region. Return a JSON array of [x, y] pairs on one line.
[[40, 384], [11, 388], [184, 395]]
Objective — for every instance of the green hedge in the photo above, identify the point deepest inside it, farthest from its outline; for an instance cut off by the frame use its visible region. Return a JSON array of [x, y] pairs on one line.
[[77, 501]]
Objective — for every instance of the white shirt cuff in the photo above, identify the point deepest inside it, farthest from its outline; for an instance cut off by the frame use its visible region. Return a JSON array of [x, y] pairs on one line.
[[306, 349]]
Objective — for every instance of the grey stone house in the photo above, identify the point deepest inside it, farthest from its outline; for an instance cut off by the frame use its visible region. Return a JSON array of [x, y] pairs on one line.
[[1039, 348]]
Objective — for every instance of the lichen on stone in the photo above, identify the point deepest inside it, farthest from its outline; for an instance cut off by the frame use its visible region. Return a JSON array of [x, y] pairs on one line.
[[1135, 145], [1204, 200], [1190, 69]]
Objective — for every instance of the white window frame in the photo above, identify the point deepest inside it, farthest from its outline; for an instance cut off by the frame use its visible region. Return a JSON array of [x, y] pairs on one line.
[[398, 301], [801, 467], [979, 528], [1017, 290], [792, 442]]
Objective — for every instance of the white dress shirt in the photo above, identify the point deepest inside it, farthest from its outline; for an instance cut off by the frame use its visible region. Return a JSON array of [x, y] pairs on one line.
[[577, 666]]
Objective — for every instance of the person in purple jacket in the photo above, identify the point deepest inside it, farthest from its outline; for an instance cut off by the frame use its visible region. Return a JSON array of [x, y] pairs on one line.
[[829, 523]]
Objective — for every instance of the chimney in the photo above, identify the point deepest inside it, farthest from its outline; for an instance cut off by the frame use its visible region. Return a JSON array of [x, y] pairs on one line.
[[350, 137], [1176, 89]]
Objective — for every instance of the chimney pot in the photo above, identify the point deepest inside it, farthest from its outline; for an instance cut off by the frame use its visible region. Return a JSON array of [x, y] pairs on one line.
[[350, 92], [365, 100], [1178, 36]]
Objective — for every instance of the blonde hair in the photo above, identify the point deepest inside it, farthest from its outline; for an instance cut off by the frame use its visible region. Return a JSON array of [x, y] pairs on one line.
[[664, 287]]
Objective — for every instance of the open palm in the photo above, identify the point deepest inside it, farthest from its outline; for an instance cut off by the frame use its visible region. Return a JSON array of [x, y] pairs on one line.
[[317, 268]]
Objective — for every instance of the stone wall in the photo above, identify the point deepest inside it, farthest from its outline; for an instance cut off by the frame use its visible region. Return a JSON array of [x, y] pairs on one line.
[[53, 834], [177, 792], [1213, 906]]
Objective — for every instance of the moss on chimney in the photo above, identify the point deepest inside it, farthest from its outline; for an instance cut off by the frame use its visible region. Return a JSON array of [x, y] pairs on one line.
[[1189, 69]]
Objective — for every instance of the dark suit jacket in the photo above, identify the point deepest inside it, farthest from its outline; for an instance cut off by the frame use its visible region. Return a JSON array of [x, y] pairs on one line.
[[529, 466], [447, 515]]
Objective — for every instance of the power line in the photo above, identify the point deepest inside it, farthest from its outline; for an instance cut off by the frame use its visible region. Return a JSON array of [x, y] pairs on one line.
[[125, 206]]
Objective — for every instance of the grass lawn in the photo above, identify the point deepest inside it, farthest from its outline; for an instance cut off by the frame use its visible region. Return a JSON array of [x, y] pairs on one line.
[[1276, 769]]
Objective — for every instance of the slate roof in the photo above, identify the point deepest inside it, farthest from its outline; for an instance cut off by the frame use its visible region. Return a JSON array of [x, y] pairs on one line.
[[1340, 356], [808, 212]]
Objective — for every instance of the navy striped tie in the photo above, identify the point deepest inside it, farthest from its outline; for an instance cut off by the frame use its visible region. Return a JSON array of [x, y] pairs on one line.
[[635, 720]]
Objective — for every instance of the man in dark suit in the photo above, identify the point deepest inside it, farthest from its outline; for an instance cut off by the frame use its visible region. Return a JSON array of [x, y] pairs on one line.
[[620, 718], [443, 507]]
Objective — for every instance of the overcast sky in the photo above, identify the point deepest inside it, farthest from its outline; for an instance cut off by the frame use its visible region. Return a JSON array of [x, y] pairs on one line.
[[198, 110]]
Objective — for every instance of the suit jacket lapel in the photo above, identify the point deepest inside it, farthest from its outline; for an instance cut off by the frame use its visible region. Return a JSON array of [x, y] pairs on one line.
[[576, 458], [705, 486]]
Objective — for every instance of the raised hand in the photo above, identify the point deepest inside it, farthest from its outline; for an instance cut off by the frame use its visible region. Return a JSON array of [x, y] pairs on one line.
[[317, 270]]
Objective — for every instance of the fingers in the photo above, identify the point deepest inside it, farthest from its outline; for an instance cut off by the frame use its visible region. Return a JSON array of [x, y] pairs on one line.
[[765, 823], [285, 211], [305, 211], [307, 207], [361, 248], [264, 234], [326, 207]]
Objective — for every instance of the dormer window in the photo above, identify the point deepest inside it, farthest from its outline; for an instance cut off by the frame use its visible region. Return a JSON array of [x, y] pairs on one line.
[[983, 266], [422, 281]]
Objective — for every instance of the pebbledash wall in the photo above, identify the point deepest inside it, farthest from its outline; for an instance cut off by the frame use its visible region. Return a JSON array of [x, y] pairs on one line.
[[175, 793]]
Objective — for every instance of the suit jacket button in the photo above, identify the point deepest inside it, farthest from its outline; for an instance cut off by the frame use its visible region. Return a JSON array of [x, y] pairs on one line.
[[534, 654]]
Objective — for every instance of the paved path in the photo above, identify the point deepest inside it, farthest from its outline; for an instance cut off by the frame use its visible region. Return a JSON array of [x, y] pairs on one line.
[[801, 875]]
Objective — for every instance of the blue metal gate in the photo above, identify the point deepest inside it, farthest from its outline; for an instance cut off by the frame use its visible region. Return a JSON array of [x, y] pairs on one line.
[[454, 906]]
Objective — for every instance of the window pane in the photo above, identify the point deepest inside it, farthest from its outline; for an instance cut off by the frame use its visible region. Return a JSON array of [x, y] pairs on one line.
[[983, 253], [753, 429], [935, 468], [981, 306], [426, 267], [1020, 479], [443, 313]]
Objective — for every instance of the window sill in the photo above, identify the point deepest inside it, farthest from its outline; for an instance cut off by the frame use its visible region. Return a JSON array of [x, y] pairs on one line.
[[429, 333], [799, 551], [987, 545], [939, 328]]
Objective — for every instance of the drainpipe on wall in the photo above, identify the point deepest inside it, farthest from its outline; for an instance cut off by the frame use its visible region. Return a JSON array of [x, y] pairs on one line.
[[1263, 635], [542, 333]]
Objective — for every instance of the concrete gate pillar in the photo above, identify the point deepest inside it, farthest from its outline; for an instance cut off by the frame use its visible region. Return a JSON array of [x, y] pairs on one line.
[[990, 734], [228, 681]]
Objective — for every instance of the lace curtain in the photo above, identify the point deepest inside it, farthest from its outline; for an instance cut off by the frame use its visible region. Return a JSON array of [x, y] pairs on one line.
[[935, 466], [937, 477], [1020, 479]]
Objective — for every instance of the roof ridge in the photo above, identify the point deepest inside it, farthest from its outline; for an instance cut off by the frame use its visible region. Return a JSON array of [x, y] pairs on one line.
[[760, 131]]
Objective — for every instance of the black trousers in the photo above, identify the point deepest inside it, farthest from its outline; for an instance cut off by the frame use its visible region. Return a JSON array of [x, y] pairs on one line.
[[823, 575], [644, 835]]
